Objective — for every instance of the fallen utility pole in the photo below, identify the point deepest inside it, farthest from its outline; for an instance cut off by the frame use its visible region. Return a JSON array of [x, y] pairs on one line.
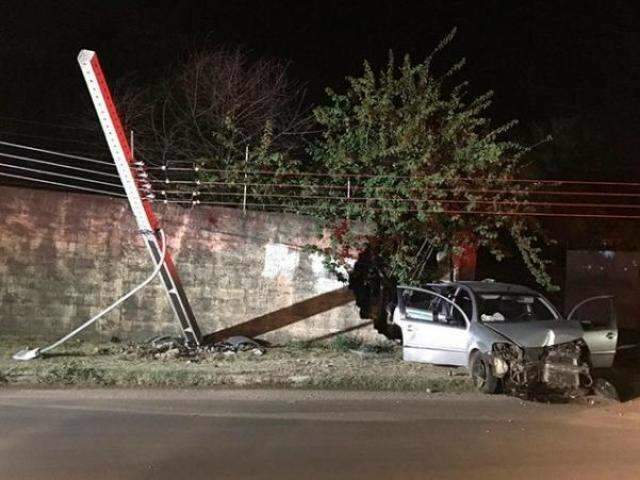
[[137, 188]]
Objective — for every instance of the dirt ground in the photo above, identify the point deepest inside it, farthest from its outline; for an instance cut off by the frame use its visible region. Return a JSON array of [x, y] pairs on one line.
[[341, 364]]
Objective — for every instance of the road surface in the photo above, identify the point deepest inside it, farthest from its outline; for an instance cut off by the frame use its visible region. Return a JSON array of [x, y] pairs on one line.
[[165, 434]]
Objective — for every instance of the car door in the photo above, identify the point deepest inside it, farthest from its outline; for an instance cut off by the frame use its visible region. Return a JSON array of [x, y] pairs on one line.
[[431, 334], [414, 308], [598, 319]]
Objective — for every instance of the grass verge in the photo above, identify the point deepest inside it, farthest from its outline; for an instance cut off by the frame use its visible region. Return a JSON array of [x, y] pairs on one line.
[[343, 363]]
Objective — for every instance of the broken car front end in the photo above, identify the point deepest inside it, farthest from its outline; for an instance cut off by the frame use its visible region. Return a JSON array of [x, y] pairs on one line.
[[562, 367]]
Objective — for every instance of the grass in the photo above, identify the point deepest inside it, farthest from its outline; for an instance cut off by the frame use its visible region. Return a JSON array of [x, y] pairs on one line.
[[345, 343], [74, 373], [342, 363], [301, 345]]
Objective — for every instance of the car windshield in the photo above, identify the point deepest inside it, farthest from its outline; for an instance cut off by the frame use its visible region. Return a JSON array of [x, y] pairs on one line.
[[499, 307]]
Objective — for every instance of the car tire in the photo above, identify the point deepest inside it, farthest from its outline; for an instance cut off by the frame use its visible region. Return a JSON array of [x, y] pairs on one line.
[[482, 374], [394, 332], [604, 388]]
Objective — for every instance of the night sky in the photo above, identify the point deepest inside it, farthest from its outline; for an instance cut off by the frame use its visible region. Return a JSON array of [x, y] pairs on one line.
[[545, 60]]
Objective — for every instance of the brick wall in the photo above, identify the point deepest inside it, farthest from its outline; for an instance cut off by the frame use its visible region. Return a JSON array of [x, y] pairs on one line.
[[64, 256]]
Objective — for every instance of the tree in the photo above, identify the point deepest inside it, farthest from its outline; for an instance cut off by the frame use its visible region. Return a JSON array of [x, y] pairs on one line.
[[216, 104], [427, 171]]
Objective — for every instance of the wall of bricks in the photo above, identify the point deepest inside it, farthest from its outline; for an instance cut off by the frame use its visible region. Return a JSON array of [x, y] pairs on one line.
[[64, 256]]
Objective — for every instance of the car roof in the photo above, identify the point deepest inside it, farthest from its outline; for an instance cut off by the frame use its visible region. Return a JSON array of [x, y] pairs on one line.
[[496, 287]]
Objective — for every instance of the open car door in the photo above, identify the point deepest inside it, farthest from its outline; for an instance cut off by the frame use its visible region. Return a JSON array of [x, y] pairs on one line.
[[434, 328], [598, 319]]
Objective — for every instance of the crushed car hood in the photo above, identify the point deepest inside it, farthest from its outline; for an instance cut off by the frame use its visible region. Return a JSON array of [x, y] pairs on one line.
[[538, 334]]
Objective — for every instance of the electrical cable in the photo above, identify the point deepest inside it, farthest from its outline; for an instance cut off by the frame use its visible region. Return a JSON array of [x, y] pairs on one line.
[[435, 200], [61, 175], [318, 174], [453, 212], [53, 152], [393, 176], [44, 162], [204, 192], [30, 354], [65, 185], [438, 189], [357, 187]]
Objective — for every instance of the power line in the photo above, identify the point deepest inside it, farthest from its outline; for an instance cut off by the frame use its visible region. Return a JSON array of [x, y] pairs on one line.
[[167, 170], [65, 185], [452, 212], [392, 176], [352, 199], [249, 184], [61, 175], [302, 207], [44, 162], [196, 183], [59, 154], [434, 200]]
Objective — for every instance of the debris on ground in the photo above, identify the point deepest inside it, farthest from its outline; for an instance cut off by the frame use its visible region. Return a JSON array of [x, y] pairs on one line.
[[167, 347], [163, 343], [236, 343]]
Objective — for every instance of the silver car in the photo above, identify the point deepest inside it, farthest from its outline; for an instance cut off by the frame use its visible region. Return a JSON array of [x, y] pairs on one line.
[[506, 335]]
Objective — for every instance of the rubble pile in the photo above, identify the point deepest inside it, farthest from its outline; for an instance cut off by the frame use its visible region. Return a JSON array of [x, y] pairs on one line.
[[167, 347]]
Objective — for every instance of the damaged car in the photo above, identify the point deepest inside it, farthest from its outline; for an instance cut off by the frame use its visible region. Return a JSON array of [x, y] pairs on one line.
[[509, 337]]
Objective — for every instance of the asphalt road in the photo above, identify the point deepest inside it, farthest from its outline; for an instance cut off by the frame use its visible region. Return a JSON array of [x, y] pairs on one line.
[[160, 434]]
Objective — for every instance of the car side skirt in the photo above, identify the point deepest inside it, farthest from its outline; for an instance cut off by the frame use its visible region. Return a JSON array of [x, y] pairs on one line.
[[435, 356]]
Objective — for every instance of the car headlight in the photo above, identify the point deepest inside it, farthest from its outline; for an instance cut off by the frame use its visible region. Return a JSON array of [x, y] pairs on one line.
[[502, 356], [500, 366]]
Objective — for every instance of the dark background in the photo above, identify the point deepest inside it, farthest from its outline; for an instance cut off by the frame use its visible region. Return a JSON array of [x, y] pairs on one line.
[[566, 68]]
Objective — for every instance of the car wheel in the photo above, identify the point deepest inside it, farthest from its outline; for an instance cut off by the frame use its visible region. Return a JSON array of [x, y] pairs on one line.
[[606, 389], [482, 375], [394, 332]]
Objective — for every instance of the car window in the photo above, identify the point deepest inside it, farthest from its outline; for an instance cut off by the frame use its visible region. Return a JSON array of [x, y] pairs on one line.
[[416, 299], [595, 314], [426, 306], [513, 308], [463, 300], [418, 305]]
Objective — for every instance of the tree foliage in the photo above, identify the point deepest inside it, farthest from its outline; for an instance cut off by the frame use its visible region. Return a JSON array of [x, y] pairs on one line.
[[215, 104], [426, 170], [198, 121]]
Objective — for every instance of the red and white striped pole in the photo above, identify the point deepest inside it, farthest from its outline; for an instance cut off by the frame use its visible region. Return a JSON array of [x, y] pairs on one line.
[[134, 181]]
